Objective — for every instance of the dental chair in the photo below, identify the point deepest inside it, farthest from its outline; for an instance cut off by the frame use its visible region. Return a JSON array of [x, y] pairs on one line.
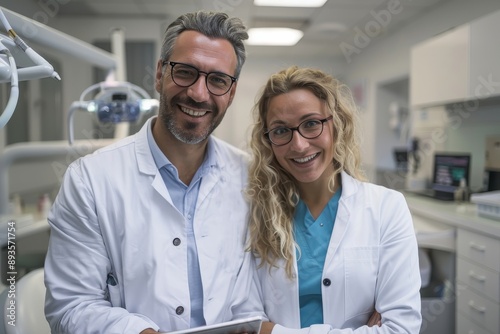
[[29, 306]]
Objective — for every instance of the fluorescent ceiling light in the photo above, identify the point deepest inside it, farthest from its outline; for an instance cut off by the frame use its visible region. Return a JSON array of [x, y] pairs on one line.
[[290, 3], [273, 36]]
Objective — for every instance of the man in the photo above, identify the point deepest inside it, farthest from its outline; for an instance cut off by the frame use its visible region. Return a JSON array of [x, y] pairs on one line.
[[149, 234]]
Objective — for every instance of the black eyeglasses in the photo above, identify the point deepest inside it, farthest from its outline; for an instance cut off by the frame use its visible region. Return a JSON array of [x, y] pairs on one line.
[[309, 129], [185, 75]]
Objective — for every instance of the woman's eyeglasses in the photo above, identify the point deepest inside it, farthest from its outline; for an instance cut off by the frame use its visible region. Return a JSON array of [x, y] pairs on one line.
[[309, 129]]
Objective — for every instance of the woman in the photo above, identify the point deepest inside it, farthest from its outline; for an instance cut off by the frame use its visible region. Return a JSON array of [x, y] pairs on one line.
[[332, 249]]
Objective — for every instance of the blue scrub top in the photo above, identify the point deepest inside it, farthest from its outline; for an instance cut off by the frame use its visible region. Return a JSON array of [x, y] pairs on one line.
[[313, 238]]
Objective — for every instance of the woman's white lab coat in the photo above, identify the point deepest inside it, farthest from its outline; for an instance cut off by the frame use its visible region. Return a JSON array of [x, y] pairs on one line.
[[113, 221], [371, 263]]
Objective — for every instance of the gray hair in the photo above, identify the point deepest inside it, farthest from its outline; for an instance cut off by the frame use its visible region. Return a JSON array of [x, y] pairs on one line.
[[210, 24]]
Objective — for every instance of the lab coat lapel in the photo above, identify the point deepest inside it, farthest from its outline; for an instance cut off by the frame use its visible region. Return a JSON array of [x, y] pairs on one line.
[[207, 184], [146, 163], [213, 176], [342, 220], [159, 186]]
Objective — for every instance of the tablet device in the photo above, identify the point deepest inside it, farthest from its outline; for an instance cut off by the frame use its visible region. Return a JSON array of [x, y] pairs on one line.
[[246, 325]]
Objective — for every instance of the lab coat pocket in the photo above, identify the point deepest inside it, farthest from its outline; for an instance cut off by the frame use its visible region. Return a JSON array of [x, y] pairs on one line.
[[361, 268], [114, 295]]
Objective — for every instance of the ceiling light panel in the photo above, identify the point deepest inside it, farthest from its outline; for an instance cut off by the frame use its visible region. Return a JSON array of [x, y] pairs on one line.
[[290, 3], [274, 36]]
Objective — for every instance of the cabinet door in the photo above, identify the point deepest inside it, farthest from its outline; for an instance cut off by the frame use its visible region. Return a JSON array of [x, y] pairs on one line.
[[440, 68], [482, 280], [466, 326], [479, 310], [485, 57], [479, 248]]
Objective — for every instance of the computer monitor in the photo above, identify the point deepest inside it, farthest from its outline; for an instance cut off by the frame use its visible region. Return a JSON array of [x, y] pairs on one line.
[[449, 169]]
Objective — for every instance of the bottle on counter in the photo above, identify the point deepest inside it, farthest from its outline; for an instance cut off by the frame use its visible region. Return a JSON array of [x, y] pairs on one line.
[[16, 205], [44, 204], [462, 193]]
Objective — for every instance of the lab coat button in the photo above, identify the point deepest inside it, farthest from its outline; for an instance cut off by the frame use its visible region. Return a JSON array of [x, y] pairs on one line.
[[327, 282], [176, 242], [179, 310]]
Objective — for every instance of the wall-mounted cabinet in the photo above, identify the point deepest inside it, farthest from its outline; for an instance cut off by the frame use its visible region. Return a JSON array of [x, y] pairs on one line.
[[459, 65]]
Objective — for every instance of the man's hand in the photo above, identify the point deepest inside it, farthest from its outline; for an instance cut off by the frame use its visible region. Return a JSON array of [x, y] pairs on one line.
[[375, 319], [149, 331]]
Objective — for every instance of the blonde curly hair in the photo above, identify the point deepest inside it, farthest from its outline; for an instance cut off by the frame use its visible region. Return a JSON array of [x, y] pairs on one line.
[[272, 191]]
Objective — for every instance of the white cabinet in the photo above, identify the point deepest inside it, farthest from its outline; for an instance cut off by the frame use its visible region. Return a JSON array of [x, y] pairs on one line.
[[484, 72], [459, 65], [438, 68], [475, 298], [478, 283]]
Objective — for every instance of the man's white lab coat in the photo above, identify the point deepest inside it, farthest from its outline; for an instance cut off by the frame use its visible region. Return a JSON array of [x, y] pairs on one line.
[[117, 259]]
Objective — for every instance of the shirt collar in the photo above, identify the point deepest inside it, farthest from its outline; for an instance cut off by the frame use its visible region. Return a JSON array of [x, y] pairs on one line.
[[162, 161]]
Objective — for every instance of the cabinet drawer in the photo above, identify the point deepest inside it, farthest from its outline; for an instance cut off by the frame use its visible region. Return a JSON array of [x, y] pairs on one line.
[[479, 309], [479, 248], [465, 326], [484, 281]]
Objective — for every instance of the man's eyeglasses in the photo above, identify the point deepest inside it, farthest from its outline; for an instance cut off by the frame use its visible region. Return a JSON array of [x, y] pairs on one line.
[[309, 129], [185, 75]]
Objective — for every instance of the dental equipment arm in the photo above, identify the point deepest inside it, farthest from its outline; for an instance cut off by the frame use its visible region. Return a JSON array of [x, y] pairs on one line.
[[14, 87], [41, 69], [66, 45]]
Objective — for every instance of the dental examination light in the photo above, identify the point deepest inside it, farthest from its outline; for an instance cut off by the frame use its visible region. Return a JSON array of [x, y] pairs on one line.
[[32, 66], [113, 102]]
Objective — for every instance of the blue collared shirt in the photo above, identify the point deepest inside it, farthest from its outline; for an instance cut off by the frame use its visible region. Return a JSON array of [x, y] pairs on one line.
[[184, 198]]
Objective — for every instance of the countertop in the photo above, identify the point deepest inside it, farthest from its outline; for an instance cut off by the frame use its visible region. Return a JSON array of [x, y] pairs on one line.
[[14, 228], [451, 214]]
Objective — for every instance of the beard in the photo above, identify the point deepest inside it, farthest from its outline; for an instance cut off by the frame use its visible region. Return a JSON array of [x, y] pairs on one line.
[[187, 132]]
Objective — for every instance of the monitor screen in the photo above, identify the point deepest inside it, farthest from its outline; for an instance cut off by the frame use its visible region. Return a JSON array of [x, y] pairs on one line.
[[449, 169]]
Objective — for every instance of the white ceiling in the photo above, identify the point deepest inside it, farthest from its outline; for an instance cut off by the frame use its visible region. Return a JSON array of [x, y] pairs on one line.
[[338, 22]]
